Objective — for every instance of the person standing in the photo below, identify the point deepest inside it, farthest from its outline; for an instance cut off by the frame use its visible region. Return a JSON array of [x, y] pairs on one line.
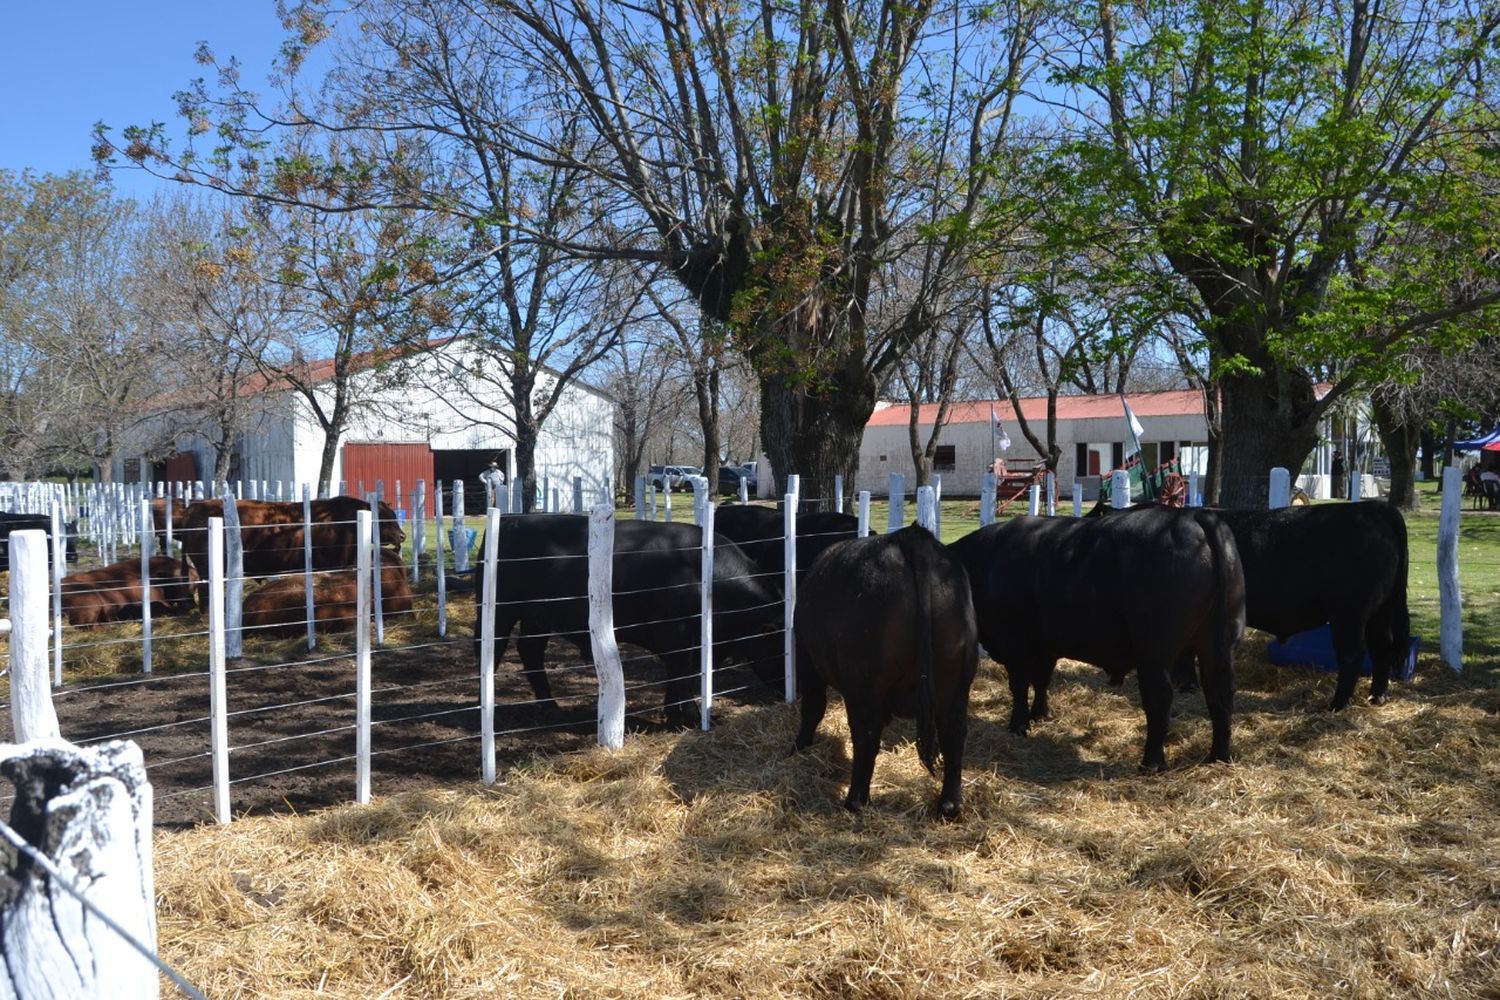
[[1338, 475]]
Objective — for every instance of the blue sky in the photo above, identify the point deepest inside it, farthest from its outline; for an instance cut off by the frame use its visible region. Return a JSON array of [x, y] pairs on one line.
[[68, 63]]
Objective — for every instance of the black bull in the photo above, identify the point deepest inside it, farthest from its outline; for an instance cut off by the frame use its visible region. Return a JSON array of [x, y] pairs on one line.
[[1144, 592], [1340, 564], [542, 587], [760, 532], [888, 623]]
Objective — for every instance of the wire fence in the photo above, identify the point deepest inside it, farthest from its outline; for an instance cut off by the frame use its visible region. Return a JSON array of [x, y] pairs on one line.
[[380, 677]]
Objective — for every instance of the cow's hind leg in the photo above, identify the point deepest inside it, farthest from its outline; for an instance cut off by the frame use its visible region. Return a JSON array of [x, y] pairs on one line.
[[1386, 653], [1156, 699], [865, 724], [1041, 682], [533, 650], [1216, 671], [679, 705], [1349, 648], [814, 692], [953, 729], [1018, 676]]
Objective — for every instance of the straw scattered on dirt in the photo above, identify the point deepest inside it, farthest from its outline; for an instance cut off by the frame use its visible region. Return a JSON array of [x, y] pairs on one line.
[[1351, 855]]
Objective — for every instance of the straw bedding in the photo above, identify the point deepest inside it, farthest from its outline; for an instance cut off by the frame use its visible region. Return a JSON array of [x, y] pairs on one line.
[[1351, 855]]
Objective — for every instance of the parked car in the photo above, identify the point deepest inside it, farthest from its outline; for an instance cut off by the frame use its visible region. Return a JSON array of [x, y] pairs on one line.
[[672, 477], [729, 480]]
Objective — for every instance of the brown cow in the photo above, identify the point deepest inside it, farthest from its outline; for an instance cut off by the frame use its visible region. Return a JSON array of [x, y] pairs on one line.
[[271, 534], [113, 593], [280, 606]]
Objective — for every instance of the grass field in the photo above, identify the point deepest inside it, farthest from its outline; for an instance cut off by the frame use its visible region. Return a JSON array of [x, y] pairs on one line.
[[1348, 855]]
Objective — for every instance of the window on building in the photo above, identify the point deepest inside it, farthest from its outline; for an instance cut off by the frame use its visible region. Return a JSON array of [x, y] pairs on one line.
[[945, 460]]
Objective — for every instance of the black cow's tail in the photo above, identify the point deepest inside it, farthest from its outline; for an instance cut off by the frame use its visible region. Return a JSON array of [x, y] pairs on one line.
[[915, 544]]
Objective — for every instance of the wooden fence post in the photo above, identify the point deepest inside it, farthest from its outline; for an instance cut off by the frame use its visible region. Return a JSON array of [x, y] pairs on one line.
[[666, 501], [59, 566], [838, 494], [602, 627], [460, 530], [366, 542], [31, 711], [148, 535], [217, 708], [1279, 493], [82, 823], [706, 631], [640, 498], [437, 559], [864, 513], [937, 505], [789, 588], [1193, 497], [1119, 493], [987, 500], [418, 529], [927, 509], [376, 583], [578, 494], [1450, 598], [1077, 499], [744, 490], [307, 566], [1034, 499], [1051, 493], [234, 579], [488, 582], [897, 516]]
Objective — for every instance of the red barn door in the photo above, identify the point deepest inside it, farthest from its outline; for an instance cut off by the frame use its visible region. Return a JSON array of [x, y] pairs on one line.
[[370, 462]]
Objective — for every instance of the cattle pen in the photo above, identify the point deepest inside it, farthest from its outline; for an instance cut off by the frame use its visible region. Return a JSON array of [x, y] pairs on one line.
[[1340, 855]]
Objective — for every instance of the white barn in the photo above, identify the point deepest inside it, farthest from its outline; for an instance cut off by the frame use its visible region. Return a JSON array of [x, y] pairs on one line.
[[417, 423], [1091, 431]]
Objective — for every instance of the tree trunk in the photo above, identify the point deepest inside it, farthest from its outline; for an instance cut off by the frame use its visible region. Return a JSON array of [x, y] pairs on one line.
[[706, 388], [1399, 432], [1429, 442], [1268, 420], [1448, 440], [816, 436], [325, 464], [914, 438]]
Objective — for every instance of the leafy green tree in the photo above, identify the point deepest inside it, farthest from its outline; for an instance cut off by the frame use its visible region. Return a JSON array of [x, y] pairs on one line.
[[1311, 178]]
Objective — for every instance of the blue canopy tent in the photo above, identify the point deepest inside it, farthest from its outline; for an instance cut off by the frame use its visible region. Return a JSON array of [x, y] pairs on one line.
[[1475, 444]]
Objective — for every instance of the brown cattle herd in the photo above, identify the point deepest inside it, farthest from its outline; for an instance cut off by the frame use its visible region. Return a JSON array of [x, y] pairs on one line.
[[272, 541]]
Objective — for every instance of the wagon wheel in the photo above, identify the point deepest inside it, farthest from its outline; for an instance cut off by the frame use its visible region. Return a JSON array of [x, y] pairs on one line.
[[1173, 491], [1300, 497]]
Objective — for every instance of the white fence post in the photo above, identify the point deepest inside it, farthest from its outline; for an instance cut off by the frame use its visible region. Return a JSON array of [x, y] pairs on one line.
[[640, 498], [418, 529], [927, 509], [79, 916], [651, 501], [1051, 493], [666, 503], [602, 626], [488, 583], [578, 494], [365, 548], [31, 711], [789, 523], [838, 494], [1193, 497], [460, 532], [377, 583], [217, 709], [59, 565], [744, 490], [897, 515], [1077, 499], [1034, 499], [864, 513], [234, 580], [1280, 491], [307, 566], [987, 500], [148, 535], [937, 506], [437, 560], [1119, 494], [706, 632], [1450, 598]]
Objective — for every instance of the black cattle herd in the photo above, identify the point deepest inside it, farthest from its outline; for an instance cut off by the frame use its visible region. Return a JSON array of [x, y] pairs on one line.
[[896, 623]]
